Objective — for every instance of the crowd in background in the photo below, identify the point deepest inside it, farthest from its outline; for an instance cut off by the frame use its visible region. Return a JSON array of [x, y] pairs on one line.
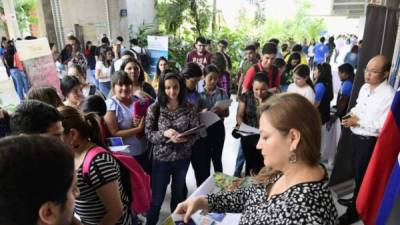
[[108, 92]]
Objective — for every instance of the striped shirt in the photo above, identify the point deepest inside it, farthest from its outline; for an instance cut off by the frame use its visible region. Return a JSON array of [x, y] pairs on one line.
[[103, 169]]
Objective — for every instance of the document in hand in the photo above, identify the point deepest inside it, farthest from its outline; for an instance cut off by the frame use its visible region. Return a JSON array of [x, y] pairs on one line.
[[191, 131], [223, 104], [246, 130], [208, 118]]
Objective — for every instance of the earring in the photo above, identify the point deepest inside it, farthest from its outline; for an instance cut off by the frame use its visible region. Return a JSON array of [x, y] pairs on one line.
[[292, 158]]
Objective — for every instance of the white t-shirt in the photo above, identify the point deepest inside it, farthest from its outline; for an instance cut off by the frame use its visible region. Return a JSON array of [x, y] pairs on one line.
[[118, 64], [104, 71], [305, 91]]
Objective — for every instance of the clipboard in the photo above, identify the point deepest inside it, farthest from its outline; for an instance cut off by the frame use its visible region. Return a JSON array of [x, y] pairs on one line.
[[191, 131]]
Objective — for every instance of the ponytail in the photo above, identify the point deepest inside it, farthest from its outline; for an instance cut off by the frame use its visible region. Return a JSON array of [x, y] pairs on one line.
[[93, 129], [87, 125]]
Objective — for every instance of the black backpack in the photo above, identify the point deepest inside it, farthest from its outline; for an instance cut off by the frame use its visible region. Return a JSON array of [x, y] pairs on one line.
[[143, 58]]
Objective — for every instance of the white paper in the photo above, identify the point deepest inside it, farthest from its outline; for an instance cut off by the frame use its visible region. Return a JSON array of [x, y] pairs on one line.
[[223, 104], [122, 148], [207, 187], [246, 130], [231, 219], [208, 118]]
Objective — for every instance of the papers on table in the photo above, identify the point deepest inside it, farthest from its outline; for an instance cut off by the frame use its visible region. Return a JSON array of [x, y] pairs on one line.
[[208, 118], [223, 104], [208, 187], [246, 130]]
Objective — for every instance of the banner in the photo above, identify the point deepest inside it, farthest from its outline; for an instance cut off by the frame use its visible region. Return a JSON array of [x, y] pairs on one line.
[[157, 46], [38, 63]]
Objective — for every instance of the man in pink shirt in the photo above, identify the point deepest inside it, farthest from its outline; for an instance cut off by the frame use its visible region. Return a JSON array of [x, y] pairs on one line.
[[199, 55], [266, 64]]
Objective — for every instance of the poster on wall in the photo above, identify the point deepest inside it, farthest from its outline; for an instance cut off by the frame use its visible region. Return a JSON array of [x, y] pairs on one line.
[[157, 46], [38, 63]]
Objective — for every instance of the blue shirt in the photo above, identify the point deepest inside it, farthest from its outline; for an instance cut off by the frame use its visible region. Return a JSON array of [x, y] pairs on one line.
[[320, 51], [319, 91], [208, 101], [193, 97], [345, 89], [124, 115], [352, 59]]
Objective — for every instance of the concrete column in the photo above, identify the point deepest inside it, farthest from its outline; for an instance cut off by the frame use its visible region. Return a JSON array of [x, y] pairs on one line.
[[11, 19]]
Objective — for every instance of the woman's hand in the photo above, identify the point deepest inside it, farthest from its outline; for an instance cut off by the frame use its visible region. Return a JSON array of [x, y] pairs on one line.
[[178, 139], [170, 132], [190, 206], [136, 121]]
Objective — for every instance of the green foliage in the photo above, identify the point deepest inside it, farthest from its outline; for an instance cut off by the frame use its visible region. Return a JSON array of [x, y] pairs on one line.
[[184, 20], [23, 9]]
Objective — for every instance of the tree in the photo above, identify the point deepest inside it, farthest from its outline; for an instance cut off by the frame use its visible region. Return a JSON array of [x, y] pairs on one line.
[[23, 9]]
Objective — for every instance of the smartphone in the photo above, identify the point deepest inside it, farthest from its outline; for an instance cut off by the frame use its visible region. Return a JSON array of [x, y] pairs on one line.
[[114, 141], [346, 117]]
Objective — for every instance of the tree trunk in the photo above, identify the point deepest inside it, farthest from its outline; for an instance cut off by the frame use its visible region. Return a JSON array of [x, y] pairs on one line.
[[193, 8], [214, 15]]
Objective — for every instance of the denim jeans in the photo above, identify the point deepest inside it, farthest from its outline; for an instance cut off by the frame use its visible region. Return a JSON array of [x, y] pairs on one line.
[[161, 176], [91, 77], [20, 82], [105, 87], [239, 162]]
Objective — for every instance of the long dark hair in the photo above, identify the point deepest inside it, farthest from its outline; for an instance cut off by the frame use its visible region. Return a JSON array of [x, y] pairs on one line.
[[158, 71], [304, 72], [162, 97], [325, 77], [135, 61], [103, 57]]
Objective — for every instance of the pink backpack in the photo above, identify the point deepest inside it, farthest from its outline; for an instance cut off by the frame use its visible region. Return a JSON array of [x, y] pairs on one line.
[[136, 182]]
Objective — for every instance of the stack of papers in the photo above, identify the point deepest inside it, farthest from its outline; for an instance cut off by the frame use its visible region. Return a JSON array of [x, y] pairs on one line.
[[208, 118], [223, 104], [246, 130]]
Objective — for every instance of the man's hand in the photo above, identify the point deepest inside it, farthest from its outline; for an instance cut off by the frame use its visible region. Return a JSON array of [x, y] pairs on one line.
[[351, 122]]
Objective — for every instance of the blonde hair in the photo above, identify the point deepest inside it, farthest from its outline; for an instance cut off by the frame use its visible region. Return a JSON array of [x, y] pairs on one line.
[[293, 111]]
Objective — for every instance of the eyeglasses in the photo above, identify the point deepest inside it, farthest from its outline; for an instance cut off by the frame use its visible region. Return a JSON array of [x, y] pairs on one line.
[[372, 71]]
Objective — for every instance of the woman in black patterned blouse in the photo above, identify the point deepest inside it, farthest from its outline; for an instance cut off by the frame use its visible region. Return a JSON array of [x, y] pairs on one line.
[[165, 121], [292, 187]]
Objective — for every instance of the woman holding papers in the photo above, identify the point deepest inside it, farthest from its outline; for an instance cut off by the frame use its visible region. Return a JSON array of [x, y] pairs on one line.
[[213, 143], [292, 187], [247, 113], [120, 118], [166, 120]]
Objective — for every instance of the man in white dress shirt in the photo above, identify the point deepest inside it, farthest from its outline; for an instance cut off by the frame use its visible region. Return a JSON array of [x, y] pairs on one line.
[[366, 120]]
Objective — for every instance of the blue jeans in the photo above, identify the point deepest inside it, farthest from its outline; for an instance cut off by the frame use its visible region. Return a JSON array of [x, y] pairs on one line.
[[91, 77], [160, 178], [105, 87], [239, 162], [20, 82]]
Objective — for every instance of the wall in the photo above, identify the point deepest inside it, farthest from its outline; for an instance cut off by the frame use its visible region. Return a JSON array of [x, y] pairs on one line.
[[90, 14], [140, 12]]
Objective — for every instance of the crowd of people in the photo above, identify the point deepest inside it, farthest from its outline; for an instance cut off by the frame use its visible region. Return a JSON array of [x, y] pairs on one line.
[[284, 92]]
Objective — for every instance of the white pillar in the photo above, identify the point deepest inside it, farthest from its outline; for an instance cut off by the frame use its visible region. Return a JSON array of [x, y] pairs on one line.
[[11, 18]]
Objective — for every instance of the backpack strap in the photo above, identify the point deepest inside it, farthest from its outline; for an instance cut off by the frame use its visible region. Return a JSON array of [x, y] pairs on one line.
[[90, 155]]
